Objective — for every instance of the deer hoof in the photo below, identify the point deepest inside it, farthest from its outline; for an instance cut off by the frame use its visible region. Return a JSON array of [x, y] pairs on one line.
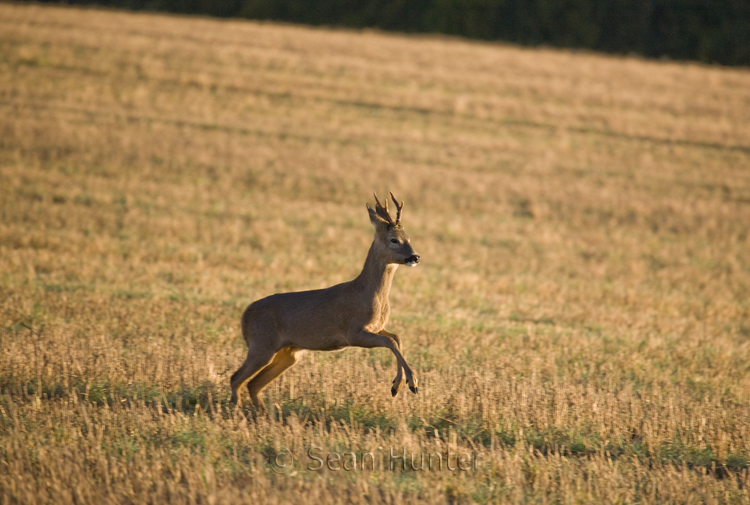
[[394, 391], [414, 389]]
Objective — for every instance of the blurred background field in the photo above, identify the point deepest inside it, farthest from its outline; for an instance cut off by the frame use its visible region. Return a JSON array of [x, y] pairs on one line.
[[580, 315], [709, 31]]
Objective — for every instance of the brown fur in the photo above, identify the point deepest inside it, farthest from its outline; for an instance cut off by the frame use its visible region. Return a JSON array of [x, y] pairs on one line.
[[351, 314]]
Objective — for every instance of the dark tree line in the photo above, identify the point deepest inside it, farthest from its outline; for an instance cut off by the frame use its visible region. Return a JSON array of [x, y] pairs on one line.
[[711, 31]]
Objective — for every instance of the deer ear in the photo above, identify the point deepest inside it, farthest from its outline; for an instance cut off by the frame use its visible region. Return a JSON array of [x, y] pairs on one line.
[[375, 219]]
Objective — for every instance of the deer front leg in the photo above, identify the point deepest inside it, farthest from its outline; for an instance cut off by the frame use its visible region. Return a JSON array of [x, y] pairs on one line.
[[398, 382], [369, 340]]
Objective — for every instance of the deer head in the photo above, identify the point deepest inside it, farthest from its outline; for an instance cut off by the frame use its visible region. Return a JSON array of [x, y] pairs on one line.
[[391, 240]]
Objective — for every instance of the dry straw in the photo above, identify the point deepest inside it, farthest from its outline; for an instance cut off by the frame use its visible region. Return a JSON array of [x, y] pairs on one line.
[[580, 316]]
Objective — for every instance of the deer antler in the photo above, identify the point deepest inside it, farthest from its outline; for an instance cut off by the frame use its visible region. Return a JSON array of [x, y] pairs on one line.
[[382, 210], [399, 208]]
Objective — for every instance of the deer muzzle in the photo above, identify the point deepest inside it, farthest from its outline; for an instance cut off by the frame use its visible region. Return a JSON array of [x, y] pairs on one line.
[[412, 260]]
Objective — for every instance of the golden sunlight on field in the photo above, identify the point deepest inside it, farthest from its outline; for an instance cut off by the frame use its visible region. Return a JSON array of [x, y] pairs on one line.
[[579, 324]]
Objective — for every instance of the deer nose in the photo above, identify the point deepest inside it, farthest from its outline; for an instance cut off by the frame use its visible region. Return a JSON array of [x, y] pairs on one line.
[[412, 260]]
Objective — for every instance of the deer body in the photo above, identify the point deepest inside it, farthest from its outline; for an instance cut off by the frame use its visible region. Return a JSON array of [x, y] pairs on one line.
[[351, 314]]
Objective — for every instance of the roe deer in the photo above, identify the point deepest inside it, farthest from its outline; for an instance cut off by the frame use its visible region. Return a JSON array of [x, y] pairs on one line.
[[351, 314]]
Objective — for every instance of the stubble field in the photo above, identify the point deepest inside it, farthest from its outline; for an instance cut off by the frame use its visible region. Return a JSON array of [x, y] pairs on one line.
[[579, 324]]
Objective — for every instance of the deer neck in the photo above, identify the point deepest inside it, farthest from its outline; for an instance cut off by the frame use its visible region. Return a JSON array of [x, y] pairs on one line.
[[377, 275]]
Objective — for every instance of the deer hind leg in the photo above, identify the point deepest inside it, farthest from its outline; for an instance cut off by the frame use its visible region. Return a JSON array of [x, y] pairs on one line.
[[370, 340], [257, 359], [398, 382], [283, 360]]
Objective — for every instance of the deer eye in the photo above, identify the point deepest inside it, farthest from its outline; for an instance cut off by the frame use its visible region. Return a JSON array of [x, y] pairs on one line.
[[394, 241]]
